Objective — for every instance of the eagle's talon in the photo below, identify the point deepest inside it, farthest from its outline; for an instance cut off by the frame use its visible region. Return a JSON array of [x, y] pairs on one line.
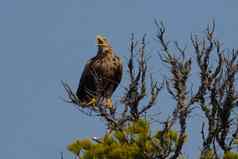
[[92, 102], [109, 103]]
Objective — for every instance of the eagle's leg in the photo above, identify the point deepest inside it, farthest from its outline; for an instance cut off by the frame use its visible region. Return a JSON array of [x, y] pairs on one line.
[[109, 103]]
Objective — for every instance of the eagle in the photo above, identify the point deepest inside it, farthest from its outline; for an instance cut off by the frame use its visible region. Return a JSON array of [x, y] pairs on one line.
[[101, 76]]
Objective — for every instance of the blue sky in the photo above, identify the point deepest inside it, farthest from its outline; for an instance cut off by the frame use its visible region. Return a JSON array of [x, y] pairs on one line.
[[43, 42]]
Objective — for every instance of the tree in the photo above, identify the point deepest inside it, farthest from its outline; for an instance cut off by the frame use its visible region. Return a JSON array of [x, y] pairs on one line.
[[129, 134]]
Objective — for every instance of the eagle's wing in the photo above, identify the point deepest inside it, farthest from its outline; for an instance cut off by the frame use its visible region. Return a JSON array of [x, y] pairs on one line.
[[111, 84], [118, 74], [87, 85]]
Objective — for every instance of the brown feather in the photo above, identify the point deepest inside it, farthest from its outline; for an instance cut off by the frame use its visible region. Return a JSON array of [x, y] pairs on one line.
[[101, 75]]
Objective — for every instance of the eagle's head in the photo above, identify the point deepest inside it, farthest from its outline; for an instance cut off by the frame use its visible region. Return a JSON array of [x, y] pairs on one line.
[[103, 44]]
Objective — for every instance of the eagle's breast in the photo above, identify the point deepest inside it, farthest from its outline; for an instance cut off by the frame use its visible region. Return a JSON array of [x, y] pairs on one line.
[[107, 66]]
